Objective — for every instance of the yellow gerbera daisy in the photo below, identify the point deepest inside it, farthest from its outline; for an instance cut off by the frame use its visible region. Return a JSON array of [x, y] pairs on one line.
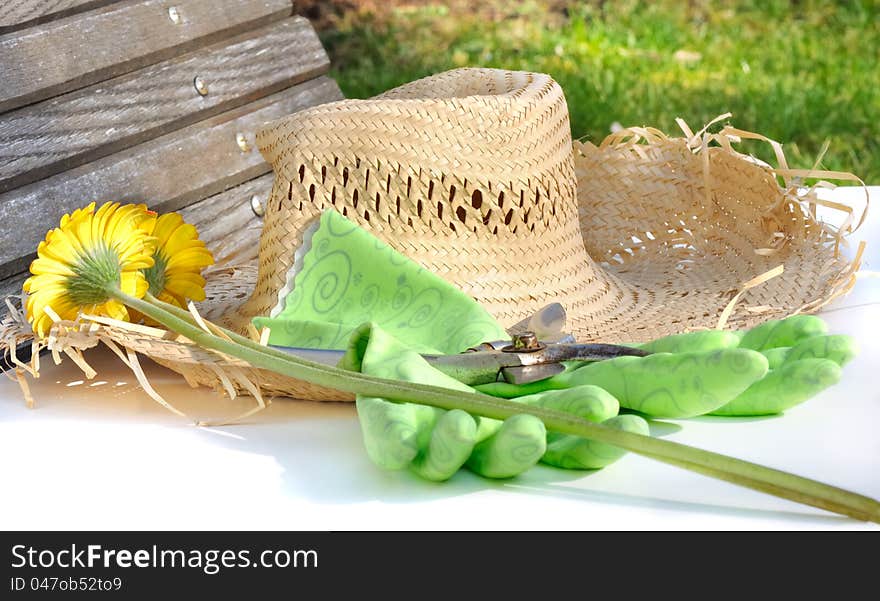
[[180, 256], [78, 261]]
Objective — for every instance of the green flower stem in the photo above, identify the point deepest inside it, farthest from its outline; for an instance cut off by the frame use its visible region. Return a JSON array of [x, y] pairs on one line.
[[736, 471]]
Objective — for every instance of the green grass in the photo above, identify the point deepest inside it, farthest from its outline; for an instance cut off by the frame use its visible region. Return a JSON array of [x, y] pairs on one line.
[[803, 73]]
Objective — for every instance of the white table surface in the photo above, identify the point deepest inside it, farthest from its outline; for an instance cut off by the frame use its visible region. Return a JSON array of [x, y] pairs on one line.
[[102, 455]]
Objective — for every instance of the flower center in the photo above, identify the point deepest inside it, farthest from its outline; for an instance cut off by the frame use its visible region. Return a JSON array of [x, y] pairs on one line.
[[95, 271], [156, 274]]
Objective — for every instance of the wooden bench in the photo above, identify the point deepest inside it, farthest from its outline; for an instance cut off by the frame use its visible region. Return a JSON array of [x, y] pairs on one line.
[[151, 101]]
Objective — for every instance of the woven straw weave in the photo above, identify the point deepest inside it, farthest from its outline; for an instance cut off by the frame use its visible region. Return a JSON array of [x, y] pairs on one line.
[[472, 173], [468, 173]]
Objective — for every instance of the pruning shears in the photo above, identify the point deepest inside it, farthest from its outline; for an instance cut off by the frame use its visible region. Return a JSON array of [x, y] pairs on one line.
[[522, 359]]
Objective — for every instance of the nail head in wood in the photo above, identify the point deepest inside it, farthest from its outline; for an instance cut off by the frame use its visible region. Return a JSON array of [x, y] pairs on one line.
[[201, 86], [257, 205], [242, 142], [174, 15]]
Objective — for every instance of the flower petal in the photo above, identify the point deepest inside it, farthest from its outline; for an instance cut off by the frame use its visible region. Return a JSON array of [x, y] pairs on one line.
[[90, 241]]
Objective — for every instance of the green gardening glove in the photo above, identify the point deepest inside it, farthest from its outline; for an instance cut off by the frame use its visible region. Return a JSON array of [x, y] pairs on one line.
[[591, 403], [435, 444], [664, 384], [803, 360], [765, 370]]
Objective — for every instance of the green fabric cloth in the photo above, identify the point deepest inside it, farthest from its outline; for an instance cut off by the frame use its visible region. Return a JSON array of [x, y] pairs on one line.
[[349, 277]]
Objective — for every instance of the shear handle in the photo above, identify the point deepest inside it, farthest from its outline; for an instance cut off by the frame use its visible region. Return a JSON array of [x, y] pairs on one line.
[[556, 353]]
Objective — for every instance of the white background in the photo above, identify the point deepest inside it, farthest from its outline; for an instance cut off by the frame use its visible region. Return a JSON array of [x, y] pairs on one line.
[[102, 455]]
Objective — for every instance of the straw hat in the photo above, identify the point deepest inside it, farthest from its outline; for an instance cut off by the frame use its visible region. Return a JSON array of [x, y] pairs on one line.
[[472, 173]]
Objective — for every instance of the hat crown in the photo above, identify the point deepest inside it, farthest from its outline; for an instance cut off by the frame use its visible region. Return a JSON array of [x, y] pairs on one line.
[[468, 172], [467, 120]]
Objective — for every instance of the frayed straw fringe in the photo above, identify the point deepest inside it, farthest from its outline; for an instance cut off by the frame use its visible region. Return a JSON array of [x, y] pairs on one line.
[[73, 337], [798, 200]]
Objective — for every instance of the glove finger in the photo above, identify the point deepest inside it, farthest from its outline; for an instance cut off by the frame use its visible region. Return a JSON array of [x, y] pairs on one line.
[[783, 332], [451, 443], [589, 402], [838, 348], [573, 452], [783, 388], [675, 385], [515, 447], [506, 390], [702, 340], [776, 356], [390, 431]]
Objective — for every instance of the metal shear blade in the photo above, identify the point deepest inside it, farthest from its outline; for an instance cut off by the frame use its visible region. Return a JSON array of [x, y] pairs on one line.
[[523, 365], [496, 359]]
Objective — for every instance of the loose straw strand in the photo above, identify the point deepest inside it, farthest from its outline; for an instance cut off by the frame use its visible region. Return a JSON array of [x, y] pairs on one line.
[[756, 281]]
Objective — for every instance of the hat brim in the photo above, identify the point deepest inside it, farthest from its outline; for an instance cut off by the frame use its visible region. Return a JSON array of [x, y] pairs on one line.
[[677, 260]]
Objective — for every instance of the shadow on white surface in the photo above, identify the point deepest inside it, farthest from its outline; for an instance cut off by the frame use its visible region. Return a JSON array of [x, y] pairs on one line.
[[344, 475]]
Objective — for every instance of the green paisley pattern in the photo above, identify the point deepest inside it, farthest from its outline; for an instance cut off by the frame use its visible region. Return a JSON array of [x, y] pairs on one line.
[[783, 332], [675, 385], [349, 277], [571, 452], [837, 348], [783, 388]]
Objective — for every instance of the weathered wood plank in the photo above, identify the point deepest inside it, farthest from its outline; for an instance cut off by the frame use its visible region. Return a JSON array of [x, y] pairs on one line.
[[16, 14], [11, 286], [46, 138], [76, 51], [168, 172], [226, 222]]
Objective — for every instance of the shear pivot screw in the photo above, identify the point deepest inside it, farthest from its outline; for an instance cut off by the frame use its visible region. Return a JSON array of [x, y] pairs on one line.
[[526, 342]]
